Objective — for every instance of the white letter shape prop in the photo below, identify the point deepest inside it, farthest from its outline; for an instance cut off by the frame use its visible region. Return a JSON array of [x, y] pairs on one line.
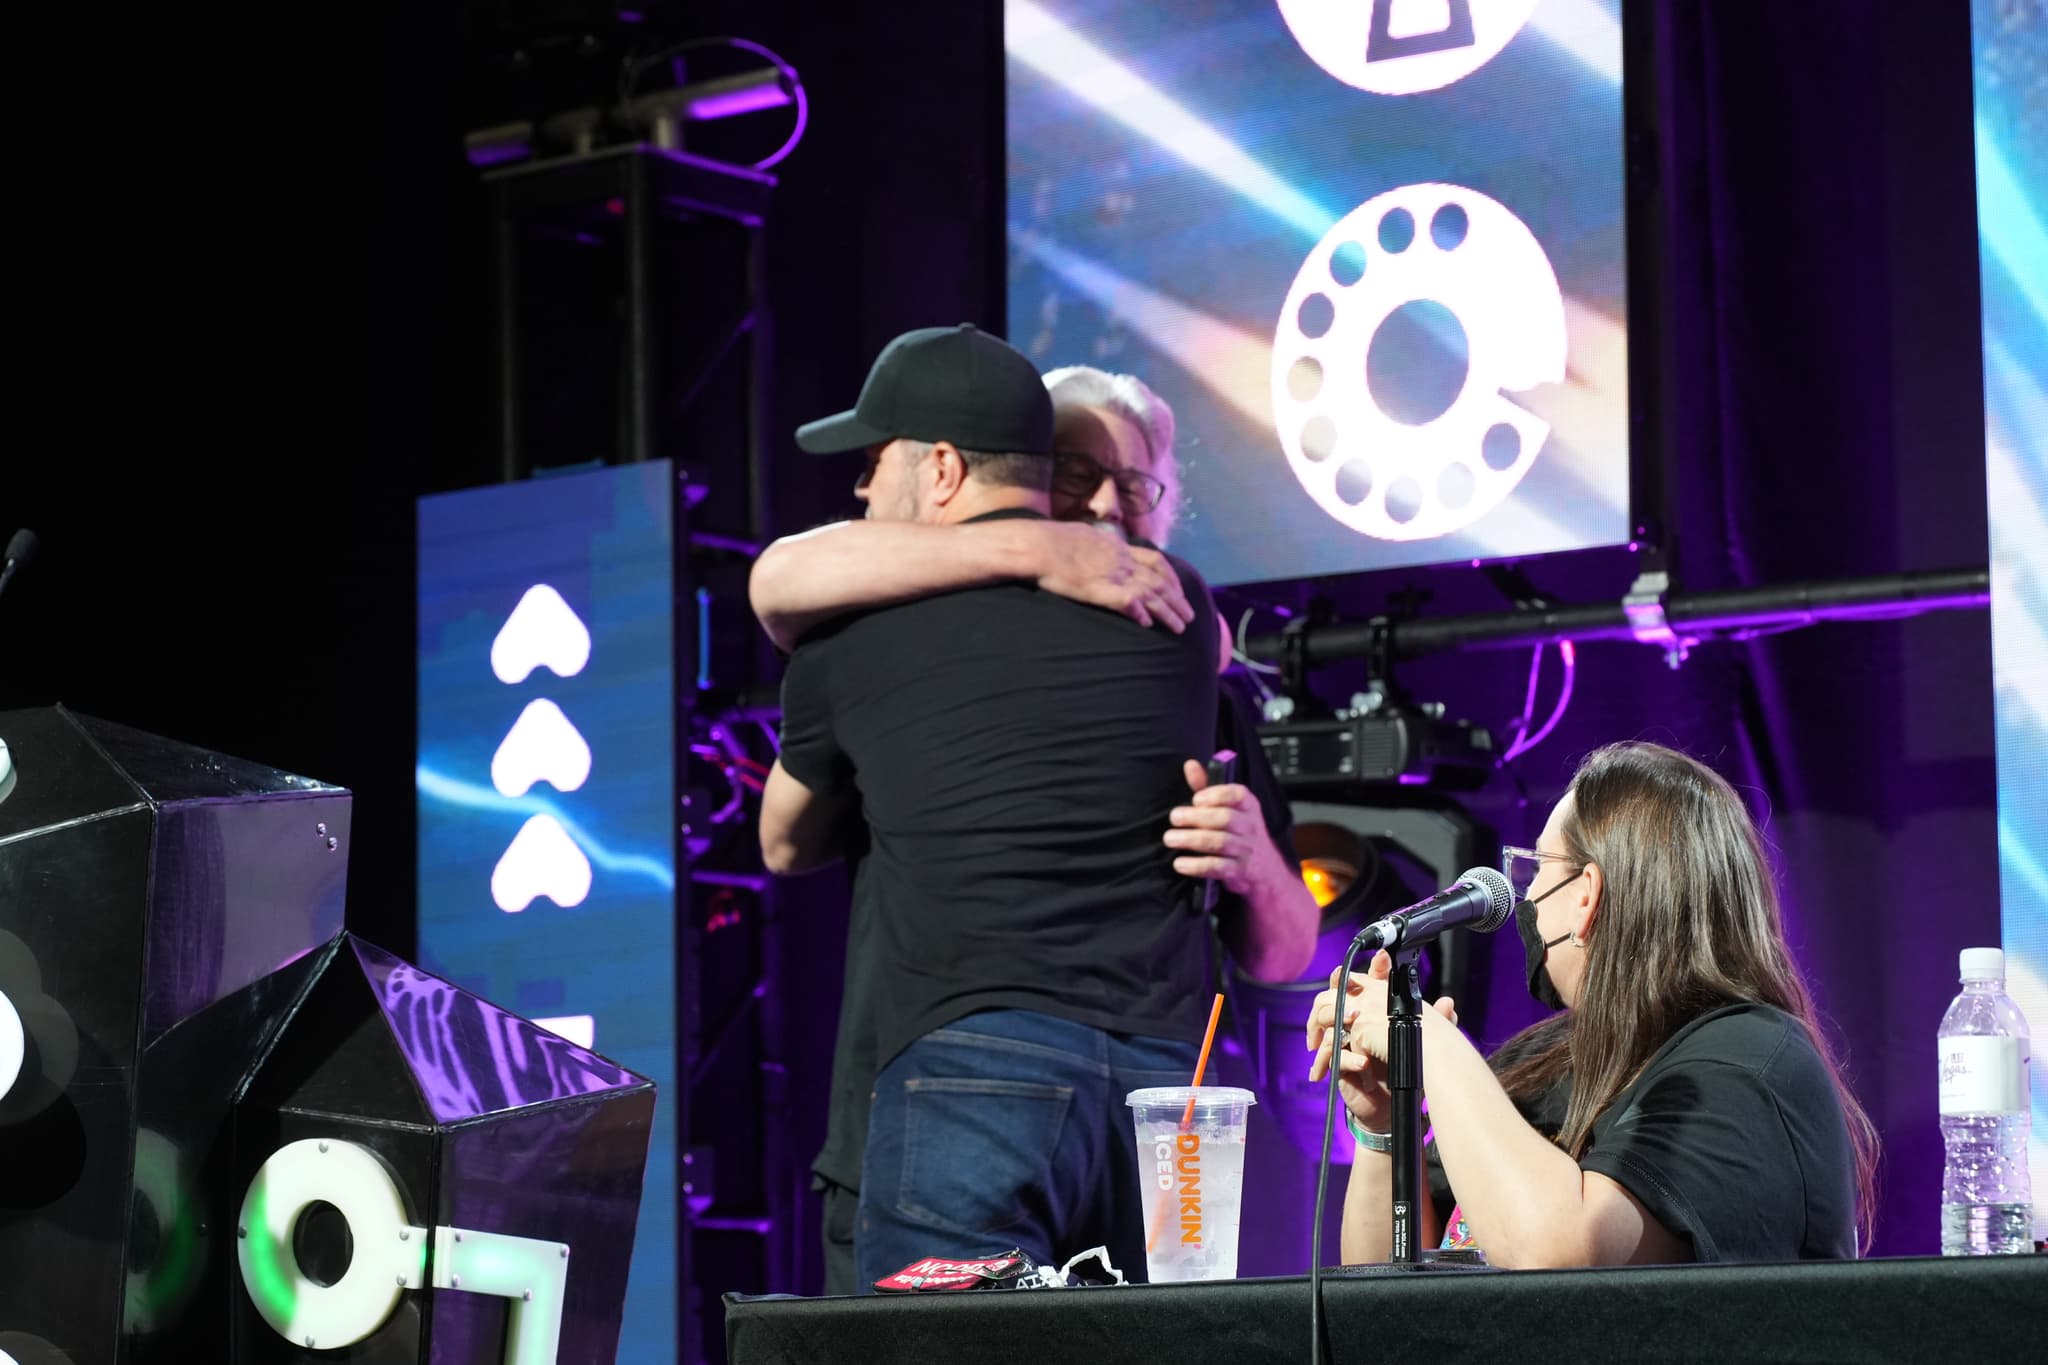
[[580, 1029], [541, 746], [541, 861], [542, 630], [1403, 47]]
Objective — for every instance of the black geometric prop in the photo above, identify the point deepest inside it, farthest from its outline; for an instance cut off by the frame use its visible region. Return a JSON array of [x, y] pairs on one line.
[[428, 1176], [154, 901], [231, 1132]]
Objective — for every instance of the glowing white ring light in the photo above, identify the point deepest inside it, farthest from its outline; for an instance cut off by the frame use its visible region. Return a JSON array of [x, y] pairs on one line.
[[389, 1256], [1496, 280]]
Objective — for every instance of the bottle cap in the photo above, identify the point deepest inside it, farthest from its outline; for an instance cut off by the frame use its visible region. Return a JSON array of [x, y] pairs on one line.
[[1983, 964]]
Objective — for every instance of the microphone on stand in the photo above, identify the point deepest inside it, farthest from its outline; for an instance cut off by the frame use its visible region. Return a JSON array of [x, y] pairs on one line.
[[1480, 900], [21, 548]]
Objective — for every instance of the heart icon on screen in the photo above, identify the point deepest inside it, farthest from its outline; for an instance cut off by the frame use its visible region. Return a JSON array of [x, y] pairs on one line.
[[542, 860], [542, 746], [542, 631]]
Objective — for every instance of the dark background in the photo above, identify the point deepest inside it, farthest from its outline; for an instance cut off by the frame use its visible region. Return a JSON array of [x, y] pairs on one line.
[[249, 300]]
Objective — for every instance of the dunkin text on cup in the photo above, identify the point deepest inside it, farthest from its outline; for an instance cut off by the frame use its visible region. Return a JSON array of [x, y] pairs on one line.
[[1180, 1161]]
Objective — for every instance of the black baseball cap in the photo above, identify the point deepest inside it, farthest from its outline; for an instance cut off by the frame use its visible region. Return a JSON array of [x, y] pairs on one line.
[[955, 384]]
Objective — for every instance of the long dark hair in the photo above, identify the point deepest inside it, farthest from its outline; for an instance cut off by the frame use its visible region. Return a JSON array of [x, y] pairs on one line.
[[1688, 922]]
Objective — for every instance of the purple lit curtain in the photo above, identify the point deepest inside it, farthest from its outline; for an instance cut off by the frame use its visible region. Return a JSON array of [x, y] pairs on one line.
[[1832, 425], [1827, 411]]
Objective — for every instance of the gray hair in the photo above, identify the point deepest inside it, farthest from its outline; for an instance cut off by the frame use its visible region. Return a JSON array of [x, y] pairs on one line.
[[1132, 399]]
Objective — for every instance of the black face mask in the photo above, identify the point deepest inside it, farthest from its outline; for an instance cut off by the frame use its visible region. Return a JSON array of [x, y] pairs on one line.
[[1535, 950]]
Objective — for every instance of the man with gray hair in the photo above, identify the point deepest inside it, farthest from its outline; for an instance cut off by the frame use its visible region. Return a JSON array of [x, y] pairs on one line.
[[1130, 476]]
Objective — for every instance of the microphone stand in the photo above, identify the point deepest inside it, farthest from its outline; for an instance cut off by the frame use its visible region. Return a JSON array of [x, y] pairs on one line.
[[1404, 1080], [1404, 1084]]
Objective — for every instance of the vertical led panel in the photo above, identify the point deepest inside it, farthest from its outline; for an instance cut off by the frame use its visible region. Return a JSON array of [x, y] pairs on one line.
[[547, 875]]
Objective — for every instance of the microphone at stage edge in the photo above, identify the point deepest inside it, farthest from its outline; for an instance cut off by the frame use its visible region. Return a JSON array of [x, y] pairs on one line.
[[1480, 900], [21, 548]]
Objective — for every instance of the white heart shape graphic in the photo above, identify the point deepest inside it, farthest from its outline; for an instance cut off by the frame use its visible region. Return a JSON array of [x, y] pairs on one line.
[[542, 860], [541, 746], [541, 631]]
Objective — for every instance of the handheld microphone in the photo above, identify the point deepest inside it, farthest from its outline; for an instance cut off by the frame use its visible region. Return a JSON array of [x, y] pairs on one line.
[[1480, 900], [1222, 771], [21, 548]]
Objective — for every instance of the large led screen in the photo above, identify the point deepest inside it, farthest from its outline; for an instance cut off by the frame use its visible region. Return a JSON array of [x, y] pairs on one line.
[[1372, 252]]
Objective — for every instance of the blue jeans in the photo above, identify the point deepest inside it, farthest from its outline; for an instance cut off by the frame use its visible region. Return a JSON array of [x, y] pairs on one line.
[[1008, 1129]]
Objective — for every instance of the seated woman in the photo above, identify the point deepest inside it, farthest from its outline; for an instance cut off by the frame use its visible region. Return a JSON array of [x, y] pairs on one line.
[[1699, 1114]]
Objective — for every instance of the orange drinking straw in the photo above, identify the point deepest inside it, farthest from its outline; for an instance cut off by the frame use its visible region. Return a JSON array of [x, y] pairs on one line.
[[1187, 1119]]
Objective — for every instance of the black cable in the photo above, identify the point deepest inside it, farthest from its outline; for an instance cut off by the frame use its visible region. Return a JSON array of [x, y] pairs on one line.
[[745, 323], [1228, 980], [1315, 1253]]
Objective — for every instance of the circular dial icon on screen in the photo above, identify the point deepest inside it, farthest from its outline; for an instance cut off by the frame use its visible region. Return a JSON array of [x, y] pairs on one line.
[[1403, 47], [1404, 332]]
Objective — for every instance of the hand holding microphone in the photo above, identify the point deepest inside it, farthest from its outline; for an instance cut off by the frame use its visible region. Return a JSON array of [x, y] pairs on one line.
[[1220, 835]]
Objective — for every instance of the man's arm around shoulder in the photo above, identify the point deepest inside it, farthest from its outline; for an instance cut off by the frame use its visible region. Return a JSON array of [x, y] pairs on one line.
[[802, 581]]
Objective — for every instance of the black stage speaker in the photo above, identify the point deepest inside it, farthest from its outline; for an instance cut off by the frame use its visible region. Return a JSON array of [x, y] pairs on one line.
[[424, 1176], [231, 1132], [159, 906]]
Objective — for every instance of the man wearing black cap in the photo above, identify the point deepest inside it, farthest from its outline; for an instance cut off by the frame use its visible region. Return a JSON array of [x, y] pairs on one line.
[[1015, 756]]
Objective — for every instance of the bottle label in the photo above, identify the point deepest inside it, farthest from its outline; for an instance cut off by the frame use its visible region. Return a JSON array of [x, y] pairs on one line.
[[1983, 1075]]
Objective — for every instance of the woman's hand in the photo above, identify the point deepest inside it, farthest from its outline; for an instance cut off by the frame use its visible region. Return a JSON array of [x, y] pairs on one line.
[[1362, 1064]]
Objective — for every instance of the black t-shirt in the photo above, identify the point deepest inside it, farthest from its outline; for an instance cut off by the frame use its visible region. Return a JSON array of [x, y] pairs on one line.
[[1544, 1111], [853, 1048], [1734, 1139], [1016, 755], [853, 1044]]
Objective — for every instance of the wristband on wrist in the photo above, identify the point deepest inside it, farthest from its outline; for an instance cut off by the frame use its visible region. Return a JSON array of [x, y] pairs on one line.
[[1366, 1137]]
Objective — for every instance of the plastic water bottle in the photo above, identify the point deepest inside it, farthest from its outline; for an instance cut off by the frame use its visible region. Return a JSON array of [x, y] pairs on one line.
[[1987, 1202]]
